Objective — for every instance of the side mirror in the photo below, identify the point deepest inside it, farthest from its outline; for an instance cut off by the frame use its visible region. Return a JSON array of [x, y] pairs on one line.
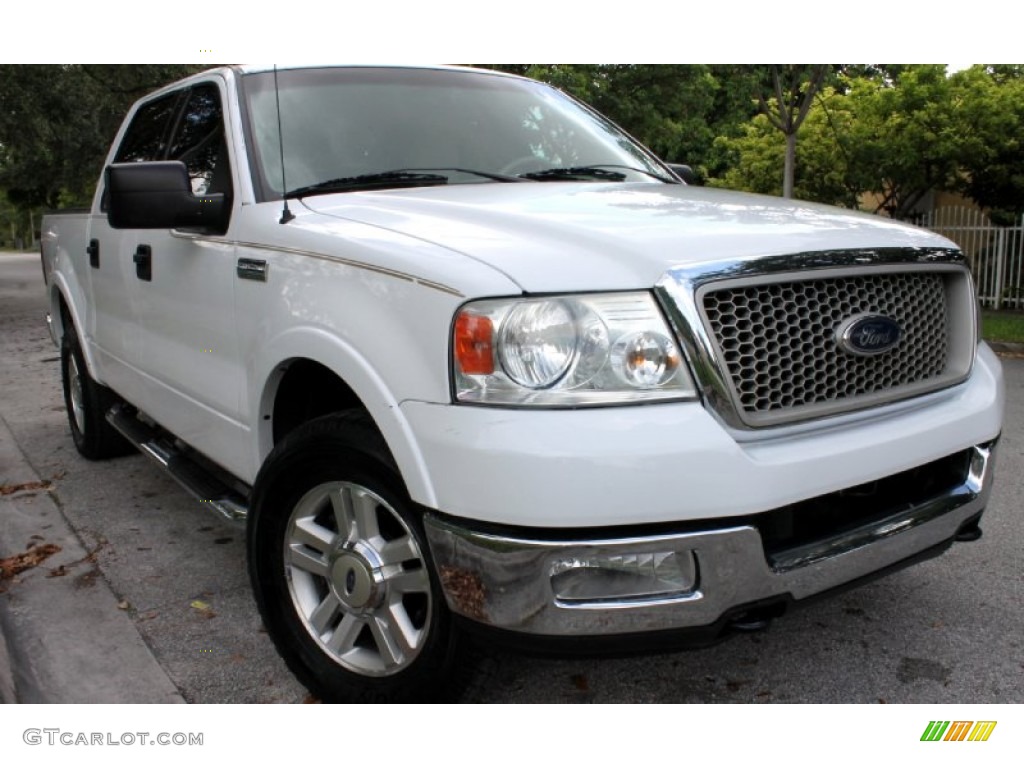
[[684, 172], [158, 195]]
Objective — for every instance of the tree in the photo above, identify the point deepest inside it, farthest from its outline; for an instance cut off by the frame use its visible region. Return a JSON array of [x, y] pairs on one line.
[[57, 122], [887, 137], [785, 97], [827, 170], [911, 132], [990, 107]]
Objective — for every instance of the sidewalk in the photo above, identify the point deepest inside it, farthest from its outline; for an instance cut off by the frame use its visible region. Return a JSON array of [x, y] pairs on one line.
[[62, 637]]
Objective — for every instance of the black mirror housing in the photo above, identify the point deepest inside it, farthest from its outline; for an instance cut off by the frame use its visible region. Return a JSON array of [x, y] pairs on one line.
[[158, 195], [684, 172]]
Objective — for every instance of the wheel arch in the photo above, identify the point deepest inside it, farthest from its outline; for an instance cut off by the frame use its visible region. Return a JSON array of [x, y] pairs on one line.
[[66, 317], [330, 376]]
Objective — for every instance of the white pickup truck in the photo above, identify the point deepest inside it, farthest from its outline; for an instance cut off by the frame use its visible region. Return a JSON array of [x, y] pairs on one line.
[[466, 357]]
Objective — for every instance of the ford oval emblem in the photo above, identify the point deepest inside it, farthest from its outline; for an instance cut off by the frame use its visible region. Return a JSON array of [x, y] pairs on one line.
[[867, 335]]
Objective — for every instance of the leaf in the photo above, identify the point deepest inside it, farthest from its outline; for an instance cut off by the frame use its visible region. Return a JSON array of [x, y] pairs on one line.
[[30, 558], [203, 608], [38, 485]]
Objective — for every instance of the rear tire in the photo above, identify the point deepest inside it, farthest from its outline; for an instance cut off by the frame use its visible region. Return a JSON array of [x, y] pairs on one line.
[[342, 572], [87, 403]]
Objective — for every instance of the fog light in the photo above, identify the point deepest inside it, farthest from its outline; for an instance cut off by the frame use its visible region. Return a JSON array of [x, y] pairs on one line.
[[633, 577]]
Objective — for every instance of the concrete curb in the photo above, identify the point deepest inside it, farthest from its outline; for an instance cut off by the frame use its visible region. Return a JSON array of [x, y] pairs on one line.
[[63, 638]]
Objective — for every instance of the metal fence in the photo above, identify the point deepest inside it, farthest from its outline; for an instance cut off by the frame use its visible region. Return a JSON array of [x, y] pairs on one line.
[[995, 253]]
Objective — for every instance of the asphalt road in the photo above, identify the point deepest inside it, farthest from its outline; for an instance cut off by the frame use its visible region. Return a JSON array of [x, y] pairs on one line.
[[948, 630]]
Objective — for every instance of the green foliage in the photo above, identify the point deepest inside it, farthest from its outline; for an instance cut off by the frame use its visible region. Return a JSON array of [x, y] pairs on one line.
[[785, 95], [15, 226], [757, 155], [824, 171], [887, 135], [57, 122], [911, 134], [990, 108]]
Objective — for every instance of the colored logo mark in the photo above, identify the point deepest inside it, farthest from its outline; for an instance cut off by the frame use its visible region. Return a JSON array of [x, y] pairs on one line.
[[958, 730]]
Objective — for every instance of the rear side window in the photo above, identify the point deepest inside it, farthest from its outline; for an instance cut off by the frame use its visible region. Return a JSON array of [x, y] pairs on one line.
[[149, 132]]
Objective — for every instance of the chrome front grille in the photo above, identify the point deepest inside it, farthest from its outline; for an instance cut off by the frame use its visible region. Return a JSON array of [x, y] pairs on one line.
[[776, 340], [779, 344]]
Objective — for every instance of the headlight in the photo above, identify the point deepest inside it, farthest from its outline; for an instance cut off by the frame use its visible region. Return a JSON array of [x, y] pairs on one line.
[[537, 344], [567, 351]]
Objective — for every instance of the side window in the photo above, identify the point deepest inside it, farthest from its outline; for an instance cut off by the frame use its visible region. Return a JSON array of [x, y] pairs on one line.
[[199, 142], [150, 129]]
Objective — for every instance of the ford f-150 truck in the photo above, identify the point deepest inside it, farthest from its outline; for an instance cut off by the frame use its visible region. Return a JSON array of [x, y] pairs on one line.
[[464, 356]]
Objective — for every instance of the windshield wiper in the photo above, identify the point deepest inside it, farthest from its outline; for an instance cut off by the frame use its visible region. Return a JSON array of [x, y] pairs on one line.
[[577, 172], [644, 171], [597, 171], [484, 174], [383, 180]]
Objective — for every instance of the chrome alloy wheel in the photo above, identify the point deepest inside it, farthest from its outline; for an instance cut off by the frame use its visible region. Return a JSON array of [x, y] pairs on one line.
[[357, 578], [77, 394]]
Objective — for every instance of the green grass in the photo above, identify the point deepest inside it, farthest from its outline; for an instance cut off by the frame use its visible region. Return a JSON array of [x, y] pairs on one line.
[[1002, 326]]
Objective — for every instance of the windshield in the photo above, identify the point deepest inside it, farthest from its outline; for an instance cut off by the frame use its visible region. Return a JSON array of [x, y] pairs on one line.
[[342, 125]]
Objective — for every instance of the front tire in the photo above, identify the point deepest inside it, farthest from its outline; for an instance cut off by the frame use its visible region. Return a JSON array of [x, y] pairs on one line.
[[341, 570]]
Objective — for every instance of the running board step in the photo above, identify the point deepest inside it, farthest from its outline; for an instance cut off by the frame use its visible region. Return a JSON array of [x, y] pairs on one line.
[[194, 478]]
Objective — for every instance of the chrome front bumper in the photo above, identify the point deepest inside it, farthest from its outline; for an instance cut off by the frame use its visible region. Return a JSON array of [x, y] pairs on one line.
[[506, 582]]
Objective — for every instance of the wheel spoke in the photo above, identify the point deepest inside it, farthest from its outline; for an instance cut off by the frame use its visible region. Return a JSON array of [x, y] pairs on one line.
[[313, 535], [310, 563], [409, 582], [324, 614], [365, 507], [391, 642], [399, 550], [77, 397], [344, 513], [402, 629], [344, 637]]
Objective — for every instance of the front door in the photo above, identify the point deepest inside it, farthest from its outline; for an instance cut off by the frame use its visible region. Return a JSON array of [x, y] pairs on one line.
[[184, 296]]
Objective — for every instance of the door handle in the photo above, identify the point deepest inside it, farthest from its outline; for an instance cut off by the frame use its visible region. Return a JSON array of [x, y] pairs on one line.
[[143, 259], [94, 253]]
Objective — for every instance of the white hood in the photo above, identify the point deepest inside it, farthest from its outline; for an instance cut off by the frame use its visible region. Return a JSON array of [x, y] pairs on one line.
[[558, 236]]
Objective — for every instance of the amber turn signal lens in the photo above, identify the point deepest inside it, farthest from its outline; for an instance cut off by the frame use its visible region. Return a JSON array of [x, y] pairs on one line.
[[474, 344]]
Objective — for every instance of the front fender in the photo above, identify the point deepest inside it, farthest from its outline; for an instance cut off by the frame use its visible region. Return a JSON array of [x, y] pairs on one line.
[[355, 370]]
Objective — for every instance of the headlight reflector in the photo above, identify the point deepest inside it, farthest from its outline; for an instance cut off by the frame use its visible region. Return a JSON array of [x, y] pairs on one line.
[[537, 343]]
